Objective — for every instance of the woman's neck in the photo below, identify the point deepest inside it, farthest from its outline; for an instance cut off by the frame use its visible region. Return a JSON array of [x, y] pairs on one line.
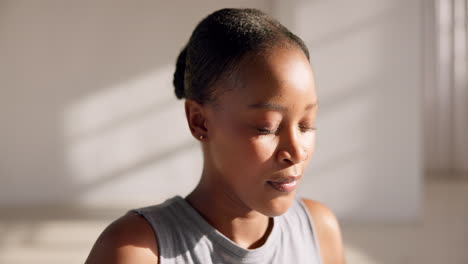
[[244, 226]]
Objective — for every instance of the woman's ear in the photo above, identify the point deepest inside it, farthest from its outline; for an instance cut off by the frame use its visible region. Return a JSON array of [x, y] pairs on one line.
[[196, 118]]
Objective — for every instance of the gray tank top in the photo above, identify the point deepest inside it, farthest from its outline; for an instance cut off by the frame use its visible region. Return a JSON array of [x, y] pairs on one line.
[[184, 236]]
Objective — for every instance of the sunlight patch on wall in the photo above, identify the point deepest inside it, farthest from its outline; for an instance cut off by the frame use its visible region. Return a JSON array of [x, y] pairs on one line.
[[122, 101], [120, 132]]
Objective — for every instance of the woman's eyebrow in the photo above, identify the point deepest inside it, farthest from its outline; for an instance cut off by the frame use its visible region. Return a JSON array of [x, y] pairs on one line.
[[277, 107]]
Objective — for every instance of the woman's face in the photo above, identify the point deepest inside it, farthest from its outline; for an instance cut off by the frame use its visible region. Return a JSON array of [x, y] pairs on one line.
[[263, 136]]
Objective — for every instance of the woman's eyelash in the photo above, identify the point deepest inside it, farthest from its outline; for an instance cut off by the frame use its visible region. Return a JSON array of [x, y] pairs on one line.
[[308, 128], [268, 131]]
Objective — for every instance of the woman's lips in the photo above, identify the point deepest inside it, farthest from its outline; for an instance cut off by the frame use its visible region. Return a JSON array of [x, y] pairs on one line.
[[283, 186]]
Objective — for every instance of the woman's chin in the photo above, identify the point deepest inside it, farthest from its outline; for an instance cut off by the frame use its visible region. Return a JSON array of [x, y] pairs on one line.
[[277, 206]]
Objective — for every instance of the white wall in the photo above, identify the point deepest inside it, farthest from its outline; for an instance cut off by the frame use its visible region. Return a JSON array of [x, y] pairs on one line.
[[88, 115], [87, 109], [367, 59]]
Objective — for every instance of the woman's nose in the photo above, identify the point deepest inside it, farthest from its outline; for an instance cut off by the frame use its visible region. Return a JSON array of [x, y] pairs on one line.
[[292, 148]]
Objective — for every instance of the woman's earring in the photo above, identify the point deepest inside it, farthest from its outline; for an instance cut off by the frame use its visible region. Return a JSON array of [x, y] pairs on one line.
[[201, 137]]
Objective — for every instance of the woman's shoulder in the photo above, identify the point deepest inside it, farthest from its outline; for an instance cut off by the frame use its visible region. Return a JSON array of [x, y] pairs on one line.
[[327, 230], [129, 239], [320, 212]]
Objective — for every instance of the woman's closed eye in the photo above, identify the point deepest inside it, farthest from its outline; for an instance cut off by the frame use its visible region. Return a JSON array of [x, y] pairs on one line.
[[308, 128], [267, 131]]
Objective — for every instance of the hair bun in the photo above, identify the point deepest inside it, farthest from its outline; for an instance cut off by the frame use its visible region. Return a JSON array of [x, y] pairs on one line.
[[217, 45], [179, 74]]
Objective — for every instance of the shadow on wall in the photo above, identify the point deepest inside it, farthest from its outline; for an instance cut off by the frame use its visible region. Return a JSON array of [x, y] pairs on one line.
[[89, 106], [89, 115]]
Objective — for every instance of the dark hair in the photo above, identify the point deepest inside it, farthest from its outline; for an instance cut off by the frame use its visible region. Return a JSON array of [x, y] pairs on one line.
[[217, 45]]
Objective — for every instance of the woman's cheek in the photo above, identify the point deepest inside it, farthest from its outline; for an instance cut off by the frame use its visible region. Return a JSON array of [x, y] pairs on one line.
[[262, 148], [251, 146], [310, 143]]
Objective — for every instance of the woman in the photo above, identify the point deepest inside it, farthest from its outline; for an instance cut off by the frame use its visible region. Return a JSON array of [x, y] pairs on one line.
[[250, 100]]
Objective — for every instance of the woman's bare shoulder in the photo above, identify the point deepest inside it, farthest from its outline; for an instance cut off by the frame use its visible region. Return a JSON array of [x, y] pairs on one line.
[[327, 231], [129, 239], [320, 212]]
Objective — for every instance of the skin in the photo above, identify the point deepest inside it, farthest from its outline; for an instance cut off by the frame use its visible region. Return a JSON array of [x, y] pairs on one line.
[[246, 143]]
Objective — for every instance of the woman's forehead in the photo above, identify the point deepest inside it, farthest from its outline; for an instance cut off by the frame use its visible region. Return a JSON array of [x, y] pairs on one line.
[[282, 76]]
